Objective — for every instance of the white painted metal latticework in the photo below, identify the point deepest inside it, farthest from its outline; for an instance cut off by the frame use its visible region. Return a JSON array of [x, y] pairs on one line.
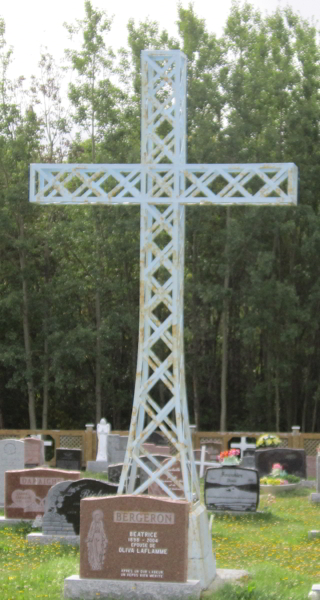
[[163, 184]]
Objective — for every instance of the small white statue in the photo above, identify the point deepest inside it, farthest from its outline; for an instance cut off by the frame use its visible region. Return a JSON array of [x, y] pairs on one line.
[[103, 429]]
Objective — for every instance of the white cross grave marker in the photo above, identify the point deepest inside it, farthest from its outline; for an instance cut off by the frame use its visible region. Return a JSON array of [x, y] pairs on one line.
[[162, 184], [242, 445]]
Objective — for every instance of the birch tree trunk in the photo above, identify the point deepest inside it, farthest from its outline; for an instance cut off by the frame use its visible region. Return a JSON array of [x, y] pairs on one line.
[[225, 331]]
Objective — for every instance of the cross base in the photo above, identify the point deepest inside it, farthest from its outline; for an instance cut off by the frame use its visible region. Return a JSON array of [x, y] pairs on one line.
[[201, 560]]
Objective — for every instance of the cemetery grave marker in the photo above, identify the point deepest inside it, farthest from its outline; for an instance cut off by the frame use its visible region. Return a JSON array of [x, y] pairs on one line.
[[117, 446], [292, 460], [33, 452], [100, 465], [103, 430], [134, 537], [26, 490], [243, 445], [154, 449], [62, 513], [248, 461], [232, 488], [172, 479], [114, 471], [315, 497], [69, 458], [11, 457]]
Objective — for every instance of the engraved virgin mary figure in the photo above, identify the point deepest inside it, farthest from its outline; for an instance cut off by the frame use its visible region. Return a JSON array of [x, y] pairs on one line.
[[96, 541]]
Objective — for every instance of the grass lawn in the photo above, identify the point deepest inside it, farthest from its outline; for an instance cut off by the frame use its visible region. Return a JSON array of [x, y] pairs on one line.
[[274, 547]]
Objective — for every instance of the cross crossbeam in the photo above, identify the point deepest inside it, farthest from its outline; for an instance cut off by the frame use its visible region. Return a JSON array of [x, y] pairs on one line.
[[126, 184], [163, 184]]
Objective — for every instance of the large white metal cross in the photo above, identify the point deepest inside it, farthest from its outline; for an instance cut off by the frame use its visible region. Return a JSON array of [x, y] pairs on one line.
[[162, 184]]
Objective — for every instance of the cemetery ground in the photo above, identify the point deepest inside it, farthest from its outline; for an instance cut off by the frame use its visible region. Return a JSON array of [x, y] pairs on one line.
[[273, 547]]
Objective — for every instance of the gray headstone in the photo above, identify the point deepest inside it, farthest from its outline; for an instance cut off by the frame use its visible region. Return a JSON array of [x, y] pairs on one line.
[[116, 448], [249, 452], [292, 460], [249, 462], [11, 458], [62, 515], [231, 488], [69, 458], [213, 449]]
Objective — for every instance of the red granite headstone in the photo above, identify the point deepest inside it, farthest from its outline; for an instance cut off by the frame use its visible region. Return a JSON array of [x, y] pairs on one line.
[[33, 452], [154, 449], [134, 538], [26, 490], [155, 489]]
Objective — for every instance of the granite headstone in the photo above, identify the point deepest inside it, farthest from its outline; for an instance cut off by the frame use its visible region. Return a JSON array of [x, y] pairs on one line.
[[26, 490], [114, 473], [62, 515], [116, 448], [33, 452], [69, 458], [154, 449], [134, 538], [11, 457], [231, 488], [213, 448], [157, 438], [176, 486], [249, 452], [315, 497], [248, 461], [291, 459]]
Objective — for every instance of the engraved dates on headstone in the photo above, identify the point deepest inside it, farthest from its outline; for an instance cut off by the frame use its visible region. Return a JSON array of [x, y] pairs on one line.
[[26, 490], [67, 458], [62, 516], [134, 538], [174, 483], [232, 488]]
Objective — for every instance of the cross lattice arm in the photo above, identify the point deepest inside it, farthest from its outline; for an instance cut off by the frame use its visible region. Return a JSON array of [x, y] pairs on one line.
[[127, 184]]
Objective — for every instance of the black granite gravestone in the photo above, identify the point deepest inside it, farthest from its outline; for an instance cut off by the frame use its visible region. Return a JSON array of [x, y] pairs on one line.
[[114, 472], [67, 458], [62, 516], [292, 460], [231, 488], [157, 438]]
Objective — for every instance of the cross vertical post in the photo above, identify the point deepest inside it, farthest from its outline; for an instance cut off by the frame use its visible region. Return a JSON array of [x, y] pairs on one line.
[[160, 355]]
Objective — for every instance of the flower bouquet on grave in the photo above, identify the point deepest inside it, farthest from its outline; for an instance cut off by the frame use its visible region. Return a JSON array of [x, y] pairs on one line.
[[229, 457], [279, 476], [268, 440]]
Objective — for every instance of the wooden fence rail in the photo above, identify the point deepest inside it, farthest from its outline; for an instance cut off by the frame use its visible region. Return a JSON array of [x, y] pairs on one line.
[[86, 439]]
